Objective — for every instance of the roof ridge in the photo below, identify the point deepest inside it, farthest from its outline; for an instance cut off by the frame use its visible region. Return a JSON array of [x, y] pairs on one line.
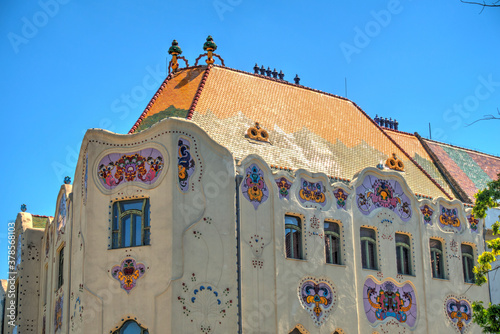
[[399, 131], [198, 92], [41, 216], [462, 148], [449, 178]]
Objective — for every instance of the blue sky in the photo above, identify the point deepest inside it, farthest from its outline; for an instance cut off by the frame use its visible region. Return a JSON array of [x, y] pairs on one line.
[[70, 65]]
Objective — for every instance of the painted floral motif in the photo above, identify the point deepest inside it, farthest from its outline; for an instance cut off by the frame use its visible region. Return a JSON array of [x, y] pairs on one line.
[[459, 312], [128, 273], [312, 192], [473, 222], [144, 166], [254, 187], [318, 297], [427, 214], [77, 313], [205, 305], [284, 187], [449, 218], [388, 299], [376, 193], [58, 314], [341, 197], [61, 216], [185, 164]]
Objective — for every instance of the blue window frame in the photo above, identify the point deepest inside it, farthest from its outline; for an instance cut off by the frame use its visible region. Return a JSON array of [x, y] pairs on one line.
[[131, 223]]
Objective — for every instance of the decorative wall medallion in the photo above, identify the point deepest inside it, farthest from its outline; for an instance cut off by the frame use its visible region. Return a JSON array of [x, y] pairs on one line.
[[389, 299], [427, 214], [473, 222], [128, 273], [254, 187], [58, 313], [141, 166], [458, 310], [318, 297], [454, 250], [61, 215], [449, 218], [205, 305], [314, 222], [185, 164], [376, 193], [256, 242], [341, 197], [284, 187], [313, 192]]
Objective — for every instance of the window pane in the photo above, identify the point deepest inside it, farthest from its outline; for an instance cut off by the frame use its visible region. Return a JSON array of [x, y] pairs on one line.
[[368, 248], [116, 243], [130, 327], [147, 240], [291, 220], [332, 227], [146, 213], [371, 248], [137, 238], [364, 260], [402, 238], [126, 231], [132, 205], [433, 243], [115, 216], [368, 232]]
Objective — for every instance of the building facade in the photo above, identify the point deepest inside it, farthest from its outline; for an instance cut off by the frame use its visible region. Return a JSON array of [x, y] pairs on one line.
[[200, 220]]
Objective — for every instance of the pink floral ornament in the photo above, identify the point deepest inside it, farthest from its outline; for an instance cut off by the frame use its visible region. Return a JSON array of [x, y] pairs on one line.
[[128, 273]]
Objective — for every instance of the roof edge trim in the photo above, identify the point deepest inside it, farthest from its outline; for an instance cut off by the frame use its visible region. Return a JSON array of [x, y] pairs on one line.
[[198, 93]]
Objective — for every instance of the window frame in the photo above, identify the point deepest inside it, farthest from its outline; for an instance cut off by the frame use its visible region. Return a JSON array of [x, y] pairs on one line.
[[403, 259], [369, 243], [329, 236], [119, 224], [290, 241], [437, 255], [60, 267], [468, 264], [119, 330]]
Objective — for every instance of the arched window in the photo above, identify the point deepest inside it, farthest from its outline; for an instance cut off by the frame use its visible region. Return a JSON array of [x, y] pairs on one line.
[[295, 331], [468, 263], [332, 243], [131, 223], [436, 258], [293, 237], [368, 248], [131, 327], [403, 254]]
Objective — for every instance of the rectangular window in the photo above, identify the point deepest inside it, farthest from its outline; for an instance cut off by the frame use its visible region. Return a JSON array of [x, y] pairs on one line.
[[46, 287], [436, 248], [131, 225], [468, 263], [293, 237], [60, 277], [368, 248], [403, 254], [332, 242]]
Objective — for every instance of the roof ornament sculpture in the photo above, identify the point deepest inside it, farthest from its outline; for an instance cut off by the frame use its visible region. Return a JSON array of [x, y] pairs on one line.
[[395, 163], [67, 180], [210, 47], [256, 132], [23, 207], [175, 51]]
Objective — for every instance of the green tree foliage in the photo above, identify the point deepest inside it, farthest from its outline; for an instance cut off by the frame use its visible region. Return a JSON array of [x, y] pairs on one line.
[[488, 318]]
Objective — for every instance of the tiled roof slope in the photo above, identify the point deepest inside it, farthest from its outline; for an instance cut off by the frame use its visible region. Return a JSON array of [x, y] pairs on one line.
[[308, 129], [471, 170], [174, 98], [412, 145]]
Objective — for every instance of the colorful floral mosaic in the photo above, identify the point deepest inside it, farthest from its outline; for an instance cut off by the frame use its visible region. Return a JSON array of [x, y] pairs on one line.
[[473, 222], [313, 192], [388, 299], [341, 197], [284, 187], [185, 163], [61, 215], [459, 312], [318, 297], [58, 314], [128, 273], [427, 214], [254, 187], [376, 193], [205, 304], [143, 166], [449, 218]]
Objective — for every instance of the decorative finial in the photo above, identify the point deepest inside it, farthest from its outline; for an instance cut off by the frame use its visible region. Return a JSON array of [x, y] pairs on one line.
[[268, 71], [275, 74], [23, 207], [256, 68], [175, 51], [210, 47], [67, 180], [281, 75], [297, 79], [376, 119]]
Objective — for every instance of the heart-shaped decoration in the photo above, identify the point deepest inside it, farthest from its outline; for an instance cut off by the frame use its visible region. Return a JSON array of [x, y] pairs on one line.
[[458, 310], [318, 297]]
